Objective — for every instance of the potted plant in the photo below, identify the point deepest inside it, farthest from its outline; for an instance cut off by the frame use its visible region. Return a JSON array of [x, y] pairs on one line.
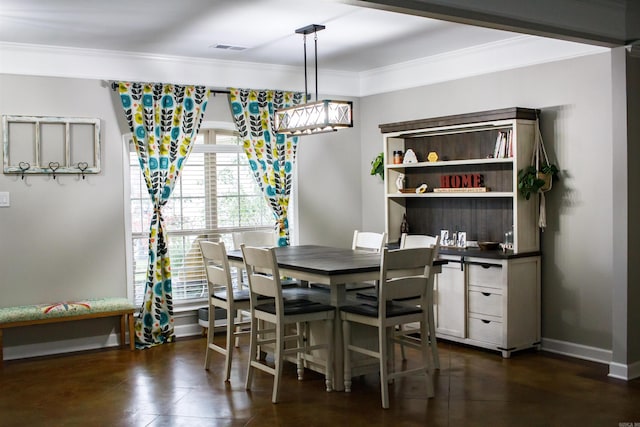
[[377, 166], [533, 180]]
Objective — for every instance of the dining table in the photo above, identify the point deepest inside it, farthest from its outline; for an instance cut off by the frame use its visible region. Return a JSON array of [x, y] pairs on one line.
[[332, 266]]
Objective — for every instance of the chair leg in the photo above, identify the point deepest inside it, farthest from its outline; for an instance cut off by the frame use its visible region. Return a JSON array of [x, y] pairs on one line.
[[329, 359], [346, 334], [404, 357], [278, 359], [239, 318], [210, 333], [229, 344], [302, 333], [432, 338], [253, 352], [425, 347], [384, 373]]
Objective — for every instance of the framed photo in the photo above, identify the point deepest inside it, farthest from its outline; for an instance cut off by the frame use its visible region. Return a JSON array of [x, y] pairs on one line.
[[444, 237], [462, 239]]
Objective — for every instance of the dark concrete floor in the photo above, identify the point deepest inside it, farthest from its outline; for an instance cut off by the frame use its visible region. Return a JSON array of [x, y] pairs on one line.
[[167, 386]]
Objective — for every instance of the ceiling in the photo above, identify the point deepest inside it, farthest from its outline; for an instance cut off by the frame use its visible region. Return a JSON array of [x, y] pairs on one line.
[[356, 38], [368, 46]]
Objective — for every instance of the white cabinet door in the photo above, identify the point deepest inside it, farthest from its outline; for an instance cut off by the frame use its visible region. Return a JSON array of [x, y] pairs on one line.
[[450, 300]]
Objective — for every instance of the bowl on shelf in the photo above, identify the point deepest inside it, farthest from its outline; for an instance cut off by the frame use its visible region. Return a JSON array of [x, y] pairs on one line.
[[488, 246]]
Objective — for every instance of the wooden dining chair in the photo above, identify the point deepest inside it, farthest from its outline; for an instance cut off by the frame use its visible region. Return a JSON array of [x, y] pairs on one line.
[[420, 241], [404, 274], [279, 321], [368, 241], [259, 238], [223, 295], [416, 241]]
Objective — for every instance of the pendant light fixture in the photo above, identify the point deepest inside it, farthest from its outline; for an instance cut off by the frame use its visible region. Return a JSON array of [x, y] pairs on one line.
[[313, 117]]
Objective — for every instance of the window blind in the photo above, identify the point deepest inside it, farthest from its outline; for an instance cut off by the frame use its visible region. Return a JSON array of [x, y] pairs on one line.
[[214, 196]]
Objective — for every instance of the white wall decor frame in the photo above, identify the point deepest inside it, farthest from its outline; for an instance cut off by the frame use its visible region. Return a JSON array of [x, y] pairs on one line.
[[51, 145]]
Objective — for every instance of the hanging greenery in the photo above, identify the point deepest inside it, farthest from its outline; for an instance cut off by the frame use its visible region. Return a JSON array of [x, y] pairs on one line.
[[532, 181], [537, 178], [377, 166]]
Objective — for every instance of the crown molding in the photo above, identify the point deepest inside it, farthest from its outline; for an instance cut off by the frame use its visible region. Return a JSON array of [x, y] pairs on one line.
[[54, 61], [515, 52]]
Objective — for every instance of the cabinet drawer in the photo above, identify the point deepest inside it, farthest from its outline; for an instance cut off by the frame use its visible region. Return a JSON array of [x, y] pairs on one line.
[[488, 275], [485, 302], [485, 330]]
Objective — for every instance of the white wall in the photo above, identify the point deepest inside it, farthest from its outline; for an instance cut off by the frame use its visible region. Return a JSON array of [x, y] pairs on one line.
[[65, 239], [62, 238], [575, 99]]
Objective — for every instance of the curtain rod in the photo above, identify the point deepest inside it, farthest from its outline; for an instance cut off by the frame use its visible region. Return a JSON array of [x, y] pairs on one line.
[[114, 86]]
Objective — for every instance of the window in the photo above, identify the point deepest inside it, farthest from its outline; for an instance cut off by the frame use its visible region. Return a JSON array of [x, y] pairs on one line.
[[215, 195]]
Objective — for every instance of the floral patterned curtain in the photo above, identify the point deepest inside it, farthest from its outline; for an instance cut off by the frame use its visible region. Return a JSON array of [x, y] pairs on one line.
[[164, 119], [271, 155]]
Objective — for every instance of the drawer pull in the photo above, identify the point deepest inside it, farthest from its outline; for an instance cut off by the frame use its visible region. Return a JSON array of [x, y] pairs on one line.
[[485, 321], [485, 266], [486, 294]]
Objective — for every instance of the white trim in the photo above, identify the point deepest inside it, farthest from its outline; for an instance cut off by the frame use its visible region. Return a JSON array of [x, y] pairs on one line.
[[60, 347], [128, 247], [518, 51], [579, 351], [624, 372]]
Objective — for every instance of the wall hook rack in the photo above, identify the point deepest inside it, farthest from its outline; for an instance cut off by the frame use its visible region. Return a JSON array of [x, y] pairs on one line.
[[51, 145]]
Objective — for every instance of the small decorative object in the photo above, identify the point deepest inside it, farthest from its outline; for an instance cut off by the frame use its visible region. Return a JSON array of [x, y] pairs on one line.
[[377, 166], [410, 157], [83, 167], [462, 239], [444, 237], [24, 166], [400, 182], [397, 157], [404, 226], [422, 189], [469, 180], [432, 156], [54, 166], [488, 246]]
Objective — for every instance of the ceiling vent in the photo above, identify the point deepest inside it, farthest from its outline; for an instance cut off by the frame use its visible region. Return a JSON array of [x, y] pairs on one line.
[[228, 47]]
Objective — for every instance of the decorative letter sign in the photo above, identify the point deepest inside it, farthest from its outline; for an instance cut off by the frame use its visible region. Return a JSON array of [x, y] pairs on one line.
[[466, 183]]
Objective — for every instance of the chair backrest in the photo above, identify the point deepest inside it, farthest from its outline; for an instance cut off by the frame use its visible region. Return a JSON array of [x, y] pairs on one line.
[[368, 241], [404, 274], [419, 241], [263, 273], [216, 264], [259, 238]]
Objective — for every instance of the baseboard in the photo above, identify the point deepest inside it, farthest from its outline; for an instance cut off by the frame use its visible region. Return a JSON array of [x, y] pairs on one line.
[[585, 352], [60, 347], [624, 372]]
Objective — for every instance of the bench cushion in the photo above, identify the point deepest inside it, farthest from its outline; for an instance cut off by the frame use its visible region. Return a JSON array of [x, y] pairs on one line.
[[63, 309]]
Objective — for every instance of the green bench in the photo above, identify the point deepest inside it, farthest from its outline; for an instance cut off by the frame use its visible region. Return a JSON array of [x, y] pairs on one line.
[[37, 314]]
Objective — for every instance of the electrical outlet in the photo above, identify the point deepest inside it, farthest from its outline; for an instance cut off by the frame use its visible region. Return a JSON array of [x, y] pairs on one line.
[[4, 199]]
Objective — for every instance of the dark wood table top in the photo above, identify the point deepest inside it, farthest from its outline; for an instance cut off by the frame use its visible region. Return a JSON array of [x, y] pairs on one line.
[[324, 260]]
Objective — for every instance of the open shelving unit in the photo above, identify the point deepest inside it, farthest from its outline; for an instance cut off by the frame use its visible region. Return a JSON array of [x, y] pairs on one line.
[[489, 299]]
